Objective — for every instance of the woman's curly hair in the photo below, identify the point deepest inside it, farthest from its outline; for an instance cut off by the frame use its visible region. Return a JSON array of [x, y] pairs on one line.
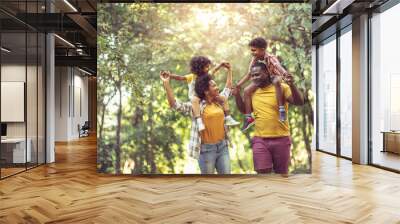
[[198, 63], [201, 86]]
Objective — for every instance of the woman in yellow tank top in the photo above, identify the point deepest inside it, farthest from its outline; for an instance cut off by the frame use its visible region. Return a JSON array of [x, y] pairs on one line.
[[209, 146], [214, 153]]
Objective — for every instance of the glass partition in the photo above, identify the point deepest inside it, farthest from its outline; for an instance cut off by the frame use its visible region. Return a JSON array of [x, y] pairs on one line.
[[327, 96], [14, 154], [346, 93], [22, 89], [32, 96], [385, 89]]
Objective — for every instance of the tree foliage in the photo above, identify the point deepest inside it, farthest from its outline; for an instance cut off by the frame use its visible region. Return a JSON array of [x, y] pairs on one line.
[[137, 131]]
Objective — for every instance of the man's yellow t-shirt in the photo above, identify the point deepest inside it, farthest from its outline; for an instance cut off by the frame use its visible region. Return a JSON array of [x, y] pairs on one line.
[[266, 114], [213, 119]]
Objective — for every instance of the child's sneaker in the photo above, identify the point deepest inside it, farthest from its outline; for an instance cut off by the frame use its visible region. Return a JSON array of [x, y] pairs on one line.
[[248, 122], [282, 114], [229, 121], [200, 124]]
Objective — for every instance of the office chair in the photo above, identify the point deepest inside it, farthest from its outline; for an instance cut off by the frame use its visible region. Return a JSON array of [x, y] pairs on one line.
[[84, 130]]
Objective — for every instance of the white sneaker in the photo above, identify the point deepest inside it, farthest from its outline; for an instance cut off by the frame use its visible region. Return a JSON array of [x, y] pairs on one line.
[[200, 124], [229, 121]]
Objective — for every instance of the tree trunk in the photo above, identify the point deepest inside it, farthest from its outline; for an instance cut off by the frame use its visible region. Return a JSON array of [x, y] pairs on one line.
[[239, 161], [101, 125], [305, 135], [118, 131], [151, 156], [100, 146]]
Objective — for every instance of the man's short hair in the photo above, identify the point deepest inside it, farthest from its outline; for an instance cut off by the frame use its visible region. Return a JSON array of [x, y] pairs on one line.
[[201, 86], [260, 64], [258, 42], [198, 63]]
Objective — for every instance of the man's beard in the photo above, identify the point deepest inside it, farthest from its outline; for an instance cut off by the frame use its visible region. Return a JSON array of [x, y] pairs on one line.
[[263, 82]]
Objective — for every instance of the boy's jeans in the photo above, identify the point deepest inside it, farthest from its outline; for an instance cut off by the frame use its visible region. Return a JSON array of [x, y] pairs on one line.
[[215, 156]]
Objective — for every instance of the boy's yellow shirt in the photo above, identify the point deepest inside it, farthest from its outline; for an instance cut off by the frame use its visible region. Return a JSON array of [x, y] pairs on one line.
[[190, 77], [266, 113]]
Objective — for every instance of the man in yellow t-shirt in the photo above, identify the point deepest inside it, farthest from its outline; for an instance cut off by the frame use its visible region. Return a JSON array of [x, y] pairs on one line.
[[271, 141]]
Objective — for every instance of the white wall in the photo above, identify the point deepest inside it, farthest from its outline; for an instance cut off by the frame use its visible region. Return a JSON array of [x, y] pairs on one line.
[[33, 127], [61, 103], [71, 94], [81, 102], [12, 73]]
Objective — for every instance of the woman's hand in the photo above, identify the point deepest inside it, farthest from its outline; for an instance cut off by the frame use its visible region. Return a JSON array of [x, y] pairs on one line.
[[165, 76], [227, 65], [222, 64]]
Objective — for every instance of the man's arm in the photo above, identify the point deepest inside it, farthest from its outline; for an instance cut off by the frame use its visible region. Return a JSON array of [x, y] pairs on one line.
[[246, 77], [296, 98], [243, 80], [239, 100]]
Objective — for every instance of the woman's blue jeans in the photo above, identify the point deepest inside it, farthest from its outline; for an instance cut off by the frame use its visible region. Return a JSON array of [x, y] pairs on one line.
[[215, 157]]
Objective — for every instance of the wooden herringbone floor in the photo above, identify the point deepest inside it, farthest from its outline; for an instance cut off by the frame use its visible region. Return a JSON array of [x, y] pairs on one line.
[[70, 191]]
